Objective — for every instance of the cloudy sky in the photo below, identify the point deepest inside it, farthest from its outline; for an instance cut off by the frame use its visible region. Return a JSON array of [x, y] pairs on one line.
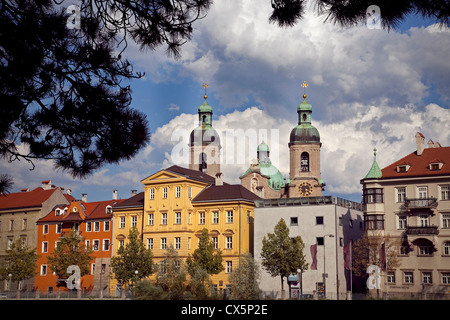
[[368, 88]]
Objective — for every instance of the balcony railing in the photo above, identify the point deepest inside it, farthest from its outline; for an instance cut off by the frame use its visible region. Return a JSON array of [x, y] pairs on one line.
[[425, 203], [430, 230]]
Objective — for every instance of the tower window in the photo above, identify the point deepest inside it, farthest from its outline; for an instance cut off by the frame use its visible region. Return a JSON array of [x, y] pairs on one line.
[[203, 162], [204, 119], [304, 117], [304, 164]]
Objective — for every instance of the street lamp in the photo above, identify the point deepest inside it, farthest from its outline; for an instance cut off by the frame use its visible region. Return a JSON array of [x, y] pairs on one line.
[[324, 256]]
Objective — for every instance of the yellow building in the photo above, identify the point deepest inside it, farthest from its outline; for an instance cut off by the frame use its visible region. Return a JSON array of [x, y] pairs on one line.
[[180, 203]]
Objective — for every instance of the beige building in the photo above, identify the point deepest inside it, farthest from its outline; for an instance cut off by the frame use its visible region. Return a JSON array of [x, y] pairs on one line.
[[408, 202]]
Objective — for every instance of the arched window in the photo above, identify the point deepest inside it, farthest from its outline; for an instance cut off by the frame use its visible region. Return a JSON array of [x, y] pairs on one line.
[[204, 119], [304, 117], [304, 163], [202, 161]]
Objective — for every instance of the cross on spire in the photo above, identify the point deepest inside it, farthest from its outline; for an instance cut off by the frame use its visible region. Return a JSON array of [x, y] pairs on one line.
[[304, 85], [205, 85]]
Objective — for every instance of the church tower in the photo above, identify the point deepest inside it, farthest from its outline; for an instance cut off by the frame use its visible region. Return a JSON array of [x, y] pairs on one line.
[[204, 142], [304, 150]]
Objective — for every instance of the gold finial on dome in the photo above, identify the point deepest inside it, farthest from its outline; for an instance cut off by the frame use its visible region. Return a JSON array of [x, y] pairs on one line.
[[205, 85], [304, 85]]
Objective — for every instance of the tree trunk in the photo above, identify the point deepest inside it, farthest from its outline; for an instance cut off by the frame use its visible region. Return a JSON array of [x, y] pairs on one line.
[[283, 295]]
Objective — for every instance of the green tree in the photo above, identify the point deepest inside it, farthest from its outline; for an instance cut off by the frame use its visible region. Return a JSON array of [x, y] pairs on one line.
[[244, 279], [172, 277], [200, 284], [130, 258], [282, 255], [71, 250], [205, 256], [20, 262]]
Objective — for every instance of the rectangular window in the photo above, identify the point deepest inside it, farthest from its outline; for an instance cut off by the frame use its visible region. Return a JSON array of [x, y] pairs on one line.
[[152, 194], [408, 277], [401, 194], [319, 220], [319, 241], [164, 193], [373, 195], [177, 242], [422, 192], [178, 192], [229, 266], [163, 243], [445, 277], [229, 216], [163, 218], [44, 247], [445, 192], [59, 228], [11, 226], [106, 225], [45, 231], [96, 226], [24, 224], [216, 242], [122, 223], [446, 220], [229, 242], [150, 243], [105, 244], [178, 218], [426, 277], [374, 222], [425, 250], [96, 244], [424, 220], [294, 221], [133, 222], [43, 270], [150, 219], [215, 217], [391, 277], [201, 218], [402, 222]]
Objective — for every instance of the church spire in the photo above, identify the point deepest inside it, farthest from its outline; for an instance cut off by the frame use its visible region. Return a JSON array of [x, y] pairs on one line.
[[374, 172]]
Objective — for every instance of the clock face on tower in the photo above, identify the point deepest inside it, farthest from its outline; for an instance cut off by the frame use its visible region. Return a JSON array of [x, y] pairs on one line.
[[305, 189]]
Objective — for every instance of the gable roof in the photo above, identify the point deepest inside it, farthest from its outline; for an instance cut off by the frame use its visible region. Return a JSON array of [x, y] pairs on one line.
[[192, 174], [135, 201], [419, 165], [27, 199], [225, 192]]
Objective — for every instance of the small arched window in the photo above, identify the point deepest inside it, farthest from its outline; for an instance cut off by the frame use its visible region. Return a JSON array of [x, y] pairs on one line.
[[202, 161], [304, 162]]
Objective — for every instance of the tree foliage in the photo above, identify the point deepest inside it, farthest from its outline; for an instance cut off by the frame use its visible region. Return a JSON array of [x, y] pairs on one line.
[[205, 256], [20, 262], [346, 13], [132, 257], [173, 276], [282, 255], [71, 250], [244, 279]]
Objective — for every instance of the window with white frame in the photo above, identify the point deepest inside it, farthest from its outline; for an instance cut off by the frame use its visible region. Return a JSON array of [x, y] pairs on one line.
[[43, 270], [133, 221], [106, 225], [447, 248], [445, 192], [178, 192], [401, 194], [229, 267], [215, 217], [165, 193], [163, 218], [163, 243], [122, 223], [422, 192], [97, 226], [424, 220], [445, 277], [45, 230], [408, 277], [229, 216], [95, 245], [150, 219], [108, 209], [106, 244], [426, 277], [59, 228], [216, 242], [177, 217], [152, 194], [89, 226], [44, 247], [88, 244], [391, 277], [229, 242], [150, 243], [201, 218], [177, 242], [402, 222], [446, 220]]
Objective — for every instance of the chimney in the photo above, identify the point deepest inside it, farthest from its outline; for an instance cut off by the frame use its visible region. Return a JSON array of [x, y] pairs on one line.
[[69, 191], [133, 193], [219, 181], [430, 144], [84, 197], [420, 141], [46, 184], [114, 194]]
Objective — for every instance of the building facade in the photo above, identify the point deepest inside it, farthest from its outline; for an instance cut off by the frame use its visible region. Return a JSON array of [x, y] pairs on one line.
[[408, 203], [18, 215], [326, 225]]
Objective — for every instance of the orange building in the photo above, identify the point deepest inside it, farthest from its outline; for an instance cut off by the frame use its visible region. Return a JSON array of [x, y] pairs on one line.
[[92, 221]]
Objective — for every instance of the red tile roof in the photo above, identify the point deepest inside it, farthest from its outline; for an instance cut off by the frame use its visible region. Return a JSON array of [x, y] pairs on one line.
[[225, 193], [28, 199], [420, 165]]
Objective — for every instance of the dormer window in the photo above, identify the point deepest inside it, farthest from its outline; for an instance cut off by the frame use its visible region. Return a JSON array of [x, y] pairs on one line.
[[57, 212], [435, 165], [403, 168], [108, 209]]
